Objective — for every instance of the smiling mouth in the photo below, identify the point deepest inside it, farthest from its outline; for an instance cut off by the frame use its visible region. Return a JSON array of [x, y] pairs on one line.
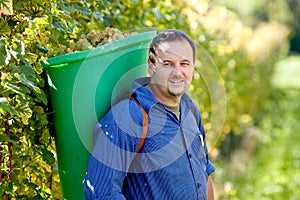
[[176, 81]]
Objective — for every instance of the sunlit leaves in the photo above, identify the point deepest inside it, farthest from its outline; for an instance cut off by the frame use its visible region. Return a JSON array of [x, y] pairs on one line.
[[275, 173], [24, 126]]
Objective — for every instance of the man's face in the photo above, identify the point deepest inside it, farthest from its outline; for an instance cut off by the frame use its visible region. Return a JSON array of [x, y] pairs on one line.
[[173, 70]]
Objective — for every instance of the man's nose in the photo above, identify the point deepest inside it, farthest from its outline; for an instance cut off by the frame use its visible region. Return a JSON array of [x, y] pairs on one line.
[[176, 68]]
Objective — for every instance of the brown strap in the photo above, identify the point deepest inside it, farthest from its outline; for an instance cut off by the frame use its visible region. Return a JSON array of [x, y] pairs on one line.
[[145, 125]]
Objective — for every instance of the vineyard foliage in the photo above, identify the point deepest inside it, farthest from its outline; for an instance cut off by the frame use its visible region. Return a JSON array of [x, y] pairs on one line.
[[38, 30]]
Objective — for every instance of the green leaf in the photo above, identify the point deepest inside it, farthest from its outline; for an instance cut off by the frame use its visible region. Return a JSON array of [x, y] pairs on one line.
[[4, 138], [41, 97], [14, 138], [14, 88], [30, 184], [25, 158], [3, 52], [24, 112], [41, 48], [45, 137], [5, 29], [23, 197], [41, 20], [6, 108], [48, 156], [98, 16], [25, 81], [38, 67], [58, 25], [27, 69]]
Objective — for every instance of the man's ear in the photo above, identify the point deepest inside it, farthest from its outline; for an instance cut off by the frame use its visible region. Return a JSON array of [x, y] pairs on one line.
[[151, 67], [151, 64], [151, 58]]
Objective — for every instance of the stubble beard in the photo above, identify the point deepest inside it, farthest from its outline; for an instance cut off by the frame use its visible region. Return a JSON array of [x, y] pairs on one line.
[[175, 93]]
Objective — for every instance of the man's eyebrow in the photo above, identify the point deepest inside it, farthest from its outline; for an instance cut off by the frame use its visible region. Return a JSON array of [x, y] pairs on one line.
[[166, 60], [186, 60]]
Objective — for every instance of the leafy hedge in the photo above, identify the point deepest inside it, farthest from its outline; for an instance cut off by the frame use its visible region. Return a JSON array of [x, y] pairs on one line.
[[40, 29], [266, 166]]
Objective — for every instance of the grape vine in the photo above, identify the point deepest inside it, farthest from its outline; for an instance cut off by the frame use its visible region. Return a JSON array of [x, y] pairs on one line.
[[95, 39]]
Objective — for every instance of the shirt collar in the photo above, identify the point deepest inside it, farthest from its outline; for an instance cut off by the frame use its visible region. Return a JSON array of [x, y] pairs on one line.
[[147, 99], [142, 94]]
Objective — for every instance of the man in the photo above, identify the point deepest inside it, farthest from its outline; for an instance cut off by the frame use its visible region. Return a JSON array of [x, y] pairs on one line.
[[172, 162]]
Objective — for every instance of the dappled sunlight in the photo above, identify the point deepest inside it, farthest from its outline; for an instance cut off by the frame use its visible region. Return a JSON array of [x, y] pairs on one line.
[[288, 73], [265, 39]]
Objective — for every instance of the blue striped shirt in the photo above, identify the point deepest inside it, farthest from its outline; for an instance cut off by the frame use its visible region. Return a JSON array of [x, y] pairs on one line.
[[173, 163]]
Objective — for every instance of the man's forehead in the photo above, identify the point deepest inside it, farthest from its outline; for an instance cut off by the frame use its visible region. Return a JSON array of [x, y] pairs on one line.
[[164, 46], [180, 48]]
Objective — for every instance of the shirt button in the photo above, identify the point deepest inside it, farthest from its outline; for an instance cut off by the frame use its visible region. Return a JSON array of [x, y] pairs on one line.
[[190, 155], [198, 185]]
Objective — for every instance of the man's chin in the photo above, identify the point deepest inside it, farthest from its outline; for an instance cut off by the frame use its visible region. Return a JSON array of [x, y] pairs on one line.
[[176, 93]]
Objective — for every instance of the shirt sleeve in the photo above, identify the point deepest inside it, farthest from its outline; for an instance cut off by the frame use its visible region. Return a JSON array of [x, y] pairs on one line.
[[102, 182], [103, 179], [110, 160], [210, 168]]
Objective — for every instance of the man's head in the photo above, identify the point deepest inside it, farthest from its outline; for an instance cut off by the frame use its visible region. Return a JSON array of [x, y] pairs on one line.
[[171, 65], [168, 36]]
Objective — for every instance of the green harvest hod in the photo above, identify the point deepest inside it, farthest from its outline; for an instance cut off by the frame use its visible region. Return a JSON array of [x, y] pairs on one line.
[[82, 87]]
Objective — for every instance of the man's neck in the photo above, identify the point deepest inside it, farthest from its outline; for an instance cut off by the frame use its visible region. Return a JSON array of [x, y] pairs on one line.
[[175, 110], [173, 101]]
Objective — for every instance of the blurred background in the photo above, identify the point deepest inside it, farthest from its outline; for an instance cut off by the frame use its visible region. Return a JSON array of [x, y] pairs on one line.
[[247, 86]]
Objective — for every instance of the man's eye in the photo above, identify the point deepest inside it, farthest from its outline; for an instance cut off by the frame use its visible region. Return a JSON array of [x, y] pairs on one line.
[[185, 64], [167, 64]]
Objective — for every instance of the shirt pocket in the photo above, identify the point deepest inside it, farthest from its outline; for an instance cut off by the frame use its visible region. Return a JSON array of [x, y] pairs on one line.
[[200, 150]]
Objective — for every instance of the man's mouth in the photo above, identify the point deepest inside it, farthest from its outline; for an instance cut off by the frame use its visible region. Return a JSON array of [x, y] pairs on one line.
[[176, 81]]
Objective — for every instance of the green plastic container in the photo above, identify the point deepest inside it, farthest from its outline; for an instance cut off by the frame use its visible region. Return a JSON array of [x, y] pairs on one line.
[[82, 87]]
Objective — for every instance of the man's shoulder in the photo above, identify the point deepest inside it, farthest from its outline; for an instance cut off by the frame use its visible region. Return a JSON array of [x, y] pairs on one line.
[[124, 116], [189, 102], [123, 110]]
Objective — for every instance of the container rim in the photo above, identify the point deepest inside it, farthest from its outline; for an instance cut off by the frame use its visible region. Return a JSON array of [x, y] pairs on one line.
[[64, 60]]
